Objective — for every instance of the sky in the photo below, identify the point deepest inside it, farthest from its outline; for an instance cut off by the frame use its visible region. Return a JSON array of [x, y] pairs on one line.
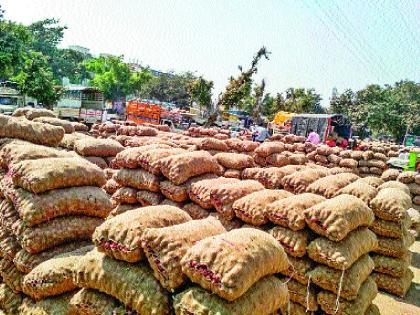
[[318, 44]]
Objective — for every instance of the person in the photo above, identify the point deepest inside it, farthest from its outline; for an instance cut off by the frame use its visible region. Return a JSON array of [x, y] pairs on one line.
[[330, 142], [313, 137], [342, 142], [261, 133]]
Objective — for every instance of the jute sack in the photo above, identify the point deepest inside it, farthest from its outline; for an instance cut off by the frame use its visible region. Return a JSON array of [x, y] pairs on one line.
[[367, 292], [329, 185], [349, 163], [32, 113], [294, 242], [80, 126], [148, 198], [67, 126], [128, 158], [131, 284], [58, 231], [111, 186], [53, 276], [97, 160], [414, 188], [195, 211], [396, 185], [57, 305], [299, 181], [391, 228], [179, 168], [300, 294], [390, 174], [265, 297], [373, 310], [138, 179], [35, 209], [417, 179], [335, 218], [26, 262], [222, 197], [120, 236], [269, 148], [150, 159], [407, 177], [199, 192], [232, 173], [394, 247], [345, 283], [278, 159], [394, 285], [341, 255], [69, 140], [235, 160], [212, 262], [295, 309], [392, 266], [164, 247], [124, 195], [375, 182], [252, 208], [11, 276], [11, 127], [9, 246], [391, 204], [212, 144], [121, 209], [42, 175], [93, 302], [9, 301], [16, 152], [270, 177], [288, 212], [298, 269], [360, 190], [177, 193], [97, 147]]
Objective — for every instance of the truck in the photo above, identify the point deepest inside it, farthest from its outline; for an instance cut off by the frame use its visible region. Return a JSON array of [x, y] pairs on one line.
[[10, 98], [140, 112]]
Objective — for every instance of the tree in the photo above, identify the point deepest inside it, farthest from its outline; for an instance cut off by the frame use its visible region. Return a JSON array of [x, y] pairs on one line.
[[71, 64], [114, 78], [35, 79], [200, 90], [302, 100]]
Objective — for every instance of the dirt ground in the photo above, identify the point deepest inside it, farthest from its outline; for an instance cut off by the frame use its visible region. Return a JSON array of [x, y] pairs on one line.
[[410, 305]]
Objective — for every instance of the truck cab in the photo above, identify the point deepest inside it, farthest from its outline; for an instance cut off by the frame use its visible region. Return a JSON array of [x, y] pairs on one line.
[[10, 98]]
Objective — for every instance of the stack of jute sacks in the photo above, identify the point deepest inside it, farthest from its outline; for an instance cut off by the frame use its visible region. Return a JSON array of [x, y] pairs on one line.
[[392, 256], [280, 154]]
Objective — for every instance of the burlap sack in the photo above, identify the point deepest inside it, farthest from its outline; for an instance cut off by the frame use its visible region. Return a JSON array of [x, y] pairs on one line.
[[212, 144], [278, 159], [328, 186], [195, 211], [26, 262], [32, 113], [265, 297], [16, 152], [392, 266], [336, 217], [120, 237], [270, 177], [294, 242], [52, 173], [121, 209], [125, 195], [93, 302], [300, 294], [97, 160], [98, 147], [148, 198], [199, 191], [150, 159], [376, 163], [407, 177], [397, 286], [229, 225], [252, 208], [260, 161], [391, 204], [298, 269], [390, 174], [39, 133], [414, 188], [341, 255], [128, 158], [9, 301], [177, 193], [394, 247], [67, 126], [179, 168], [11, 276], [396, 185], [35, 209], [349, 163], [164, 247], [232, 173], [391, 228], [299, 181], [138, 179], [360, 190], [9, 246], [341, 170], [58, 231], [417, 179], [322, 159], [416, 200], [222, 197], [367, 292], [269, 148], [80, 126], [375, 182], [54, 276], [373, 310], [335, 159], [234, 160], [111, 186], [347, 284], [132, 284], [364, 171], [212, 262], [288, 212], [57, 305], [295, 309]]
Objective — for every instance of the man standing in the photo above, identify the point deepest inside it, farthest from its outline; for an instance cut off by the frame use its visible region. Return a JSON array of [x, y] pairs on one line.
[[261, 133], [313, 137]]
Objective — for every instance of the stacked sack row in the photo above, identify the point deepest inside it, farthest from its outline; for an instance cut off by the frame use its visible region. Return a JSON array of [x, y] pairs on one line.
[[279, 154], [389, 149]]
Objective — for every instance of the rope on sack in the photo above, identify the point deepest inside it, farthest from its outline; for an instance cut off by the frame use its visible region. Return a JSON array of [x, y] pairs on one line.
[[291, 276], [340, 285], [307, 294], [288, 307]]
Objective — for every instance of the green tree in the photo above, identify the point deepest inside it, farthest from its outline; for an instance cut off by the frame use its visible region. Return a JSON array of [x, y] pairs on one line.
[[200, 90], [71, 64], [114, 78], [302, 100], [35, 79]]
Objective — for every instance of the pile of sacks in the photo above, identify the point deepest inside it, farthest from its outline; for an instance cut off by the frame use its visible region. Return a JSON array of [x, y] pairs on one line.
[[389, 149], [280, 154]]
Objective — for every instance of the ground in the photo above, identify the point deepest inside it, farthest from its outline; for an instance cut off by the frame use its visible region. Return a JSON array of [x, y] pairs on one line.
[[410, 305]]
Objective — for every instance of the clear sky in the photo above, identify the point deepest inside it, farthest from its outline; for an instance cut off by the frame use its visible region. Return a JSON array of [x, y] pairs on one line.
[[317, 44]]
